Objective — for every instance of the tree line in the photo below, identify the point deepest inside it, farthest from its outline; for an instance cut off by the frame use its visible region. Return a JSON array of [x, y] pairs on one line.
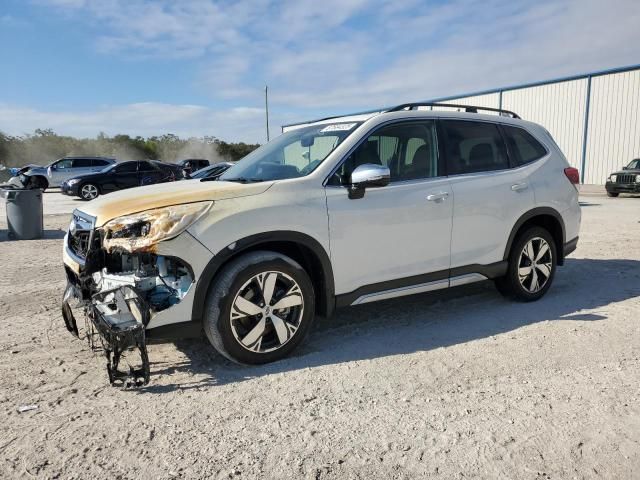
[[45, 146]]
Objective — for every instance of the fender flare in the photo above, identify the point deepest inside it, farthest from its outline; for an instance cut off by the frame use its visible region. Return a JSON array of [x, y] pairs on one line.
[[535, 212], [248, 243]]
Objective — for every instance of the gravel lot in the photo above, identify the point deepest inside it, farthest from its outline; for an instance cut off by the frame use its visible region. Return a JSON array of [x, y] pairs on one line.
[[452, 385]]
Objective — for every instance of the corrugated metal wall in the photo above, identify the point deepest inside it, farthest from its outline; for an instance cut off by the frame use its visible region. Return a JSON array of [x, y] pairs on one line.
[[613, 128], [613, 137], [491, 100], [559, 107]]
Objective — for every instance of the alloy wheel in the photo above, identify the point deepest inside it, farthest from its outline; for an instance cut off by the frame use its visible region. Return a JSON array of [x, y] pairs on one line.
[[89, 192], [535, 265], [266, 312]]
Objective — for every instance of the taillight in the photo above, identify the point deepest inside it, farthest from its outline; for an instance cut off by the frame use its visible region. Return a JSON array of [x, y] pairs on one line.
[[573, 175]]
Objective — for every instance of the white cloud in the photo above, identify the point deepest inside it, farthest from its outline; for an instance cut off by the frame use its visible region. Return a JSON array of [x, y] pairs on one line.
[[144, 119], [337, 56]]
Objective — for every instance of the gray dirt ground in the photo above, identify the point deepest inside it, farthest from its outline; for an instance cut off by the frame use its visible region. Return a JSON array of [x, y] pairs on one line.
[[456, 385]]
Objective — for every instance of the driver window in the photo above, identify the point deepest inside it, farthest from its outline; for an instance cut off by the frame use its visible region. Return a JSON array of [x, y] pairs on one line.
[[409, 150], [64, 163]]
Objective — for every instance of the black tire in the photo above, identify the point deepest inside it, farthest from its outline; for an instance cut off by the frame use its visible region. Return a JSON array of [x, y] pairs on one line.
[[38, 183], [85, 188], [612, 194], [230, 283], [510, 285]]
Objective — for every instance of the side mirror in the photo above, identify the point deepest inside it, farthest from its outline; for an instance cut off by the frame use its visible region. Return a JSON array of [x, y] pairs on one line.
[[625, 168], [367, 176]]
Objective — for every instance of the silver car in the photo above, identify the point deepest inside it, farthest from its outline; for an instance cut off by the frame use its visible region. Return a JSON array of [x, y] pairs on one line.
[[54, 174]]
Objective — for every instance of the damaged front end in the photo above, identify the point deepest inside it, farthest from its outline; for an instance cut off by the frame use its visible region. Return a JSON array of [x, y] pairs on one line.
[[120, 280]]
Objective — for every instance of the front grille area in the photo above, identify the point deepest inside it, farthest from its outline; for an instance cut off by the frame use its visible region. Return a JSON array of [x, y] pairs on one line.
[[625, 178], [79, 242]]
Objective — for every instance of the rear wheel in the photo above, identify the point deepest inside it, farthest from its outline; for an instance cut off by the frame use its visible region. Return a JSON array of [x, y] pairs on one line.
[[612, 194], [89, 191], [260, 308], [532, 266]]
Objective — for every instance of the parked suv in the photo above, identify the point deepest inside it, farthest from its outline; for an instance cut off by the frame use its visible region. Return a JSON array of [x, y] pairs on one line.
[[625, 181], [332, 214], [54, 174]]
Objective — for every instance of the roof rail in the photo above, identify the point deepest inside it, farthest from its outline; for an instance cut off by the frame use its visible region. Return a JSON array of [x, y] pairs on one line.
[[466, 108]]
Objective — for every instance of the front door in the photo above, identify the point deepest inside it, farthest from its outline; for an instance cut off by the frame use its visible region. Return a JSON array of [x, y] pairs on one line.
[[398, 235], [60, 171]]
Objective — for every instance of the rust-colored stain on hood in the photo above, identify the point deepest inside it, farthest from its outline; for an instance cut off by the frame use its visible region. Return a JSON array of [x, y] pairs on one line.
[[138, 199]]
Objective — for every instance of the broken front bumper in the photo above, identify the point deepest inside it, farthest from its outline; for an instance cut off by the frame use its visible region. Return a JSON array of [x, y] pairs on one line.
[[115, 323], [122, 295]]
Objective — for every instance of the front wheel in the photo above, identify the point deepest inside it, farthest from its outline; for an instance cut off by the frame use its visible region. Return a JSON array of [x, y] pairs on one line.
[[89, 191], [260, 308], [532, 266], [612, 194], [38, 183]]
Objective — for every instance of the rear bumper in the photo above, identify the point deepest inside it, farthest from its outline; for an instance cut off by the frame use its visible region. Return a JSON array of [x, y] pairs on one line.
[[622, 187]]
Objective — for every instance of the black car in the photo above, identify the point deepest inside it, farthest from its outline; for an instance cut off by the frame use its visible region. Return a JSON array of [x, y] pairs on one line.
[[626, 180], [212, 172], [120, 176], [191, 165]]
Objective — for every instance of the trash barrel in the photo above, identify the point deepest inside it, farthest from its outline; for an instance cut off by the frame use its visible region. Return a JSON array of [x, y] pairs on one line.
[[24, 213]]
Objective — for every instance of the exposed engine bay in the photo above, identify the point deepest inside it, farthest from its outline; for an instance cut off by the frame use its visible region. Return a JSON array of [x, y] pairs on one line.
[[119, 292]]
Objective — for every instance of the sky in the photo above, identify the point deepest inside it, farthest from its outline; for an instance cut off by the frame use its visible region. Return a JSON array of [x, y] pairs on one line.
[[199, 67]]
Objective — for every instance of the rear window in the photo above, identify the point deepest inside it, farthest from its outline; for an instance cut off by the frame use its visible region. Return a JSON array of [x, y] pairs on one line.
[[522, 146], [474, 147]]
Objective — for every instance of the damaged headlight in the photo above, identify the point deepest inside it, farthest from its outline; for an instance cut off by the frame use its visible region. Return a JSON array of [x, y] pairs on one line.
[[139, 232]]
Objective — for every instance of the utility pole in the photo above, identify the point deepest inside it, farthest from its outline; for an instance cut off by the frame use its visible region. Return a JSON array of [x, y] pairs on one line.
[[266, 107]]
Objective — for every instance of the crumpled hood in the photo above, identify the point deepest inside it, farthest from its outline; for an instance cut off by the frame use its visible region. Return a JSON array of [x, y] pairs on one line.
[[36, 170], [138, 199]]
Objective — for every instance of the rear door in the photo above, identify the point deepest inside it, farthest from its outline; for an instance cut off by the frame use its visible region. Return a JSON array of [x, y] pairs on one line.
[[80, 166], [148, 174], [490, 193]]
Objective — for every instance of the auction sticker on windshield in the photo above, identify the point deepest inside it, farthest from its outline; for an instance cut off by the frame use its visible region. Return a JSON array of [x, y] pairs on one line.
[[338, 127]]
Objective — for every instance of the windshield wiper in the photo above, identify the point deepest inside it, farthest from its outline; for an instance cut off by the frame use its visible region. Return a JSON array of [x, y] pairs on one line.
[[241, 179]]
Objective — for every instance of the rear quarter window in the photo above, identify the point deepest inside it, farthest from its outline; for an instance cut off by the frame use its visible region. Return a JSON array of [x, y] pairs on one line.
[[523, 147]]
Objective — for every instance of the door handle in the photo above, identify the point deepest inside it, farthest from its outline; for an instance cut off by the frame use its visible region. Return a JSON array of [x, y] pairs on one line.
[[437, 197], [519, 186]]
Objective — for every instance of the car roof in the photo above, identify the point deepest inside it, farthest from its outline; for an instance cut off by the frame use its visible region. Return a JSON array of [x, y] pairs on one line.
[[379, 118]]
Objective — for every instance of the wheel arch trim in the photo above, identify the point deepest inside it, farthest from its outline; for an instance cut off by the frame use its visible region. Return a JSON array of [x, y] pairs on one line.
[[531, 214], [252, 242]]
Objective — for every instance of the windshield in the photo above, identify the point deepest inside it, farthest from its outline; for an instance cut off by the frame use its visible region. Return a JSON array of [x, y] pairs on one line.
[[293, 154], [203, 172]]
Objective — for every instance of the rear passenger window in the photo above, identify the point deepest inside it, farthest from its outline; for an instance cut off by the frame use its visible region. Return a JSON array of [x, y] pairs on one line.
[[145, 167], [474, 147], [100, 163], [522, 146], [81, 162]]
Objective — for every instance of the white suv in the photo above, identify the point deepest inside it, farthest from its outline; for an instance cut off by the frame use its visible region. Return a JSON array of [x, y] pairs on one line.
[[331, 214]]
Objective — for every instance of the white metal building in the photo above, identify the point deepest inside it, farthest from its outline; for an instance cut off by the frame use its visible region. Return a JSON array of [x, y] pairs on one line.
[[594, 117]]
